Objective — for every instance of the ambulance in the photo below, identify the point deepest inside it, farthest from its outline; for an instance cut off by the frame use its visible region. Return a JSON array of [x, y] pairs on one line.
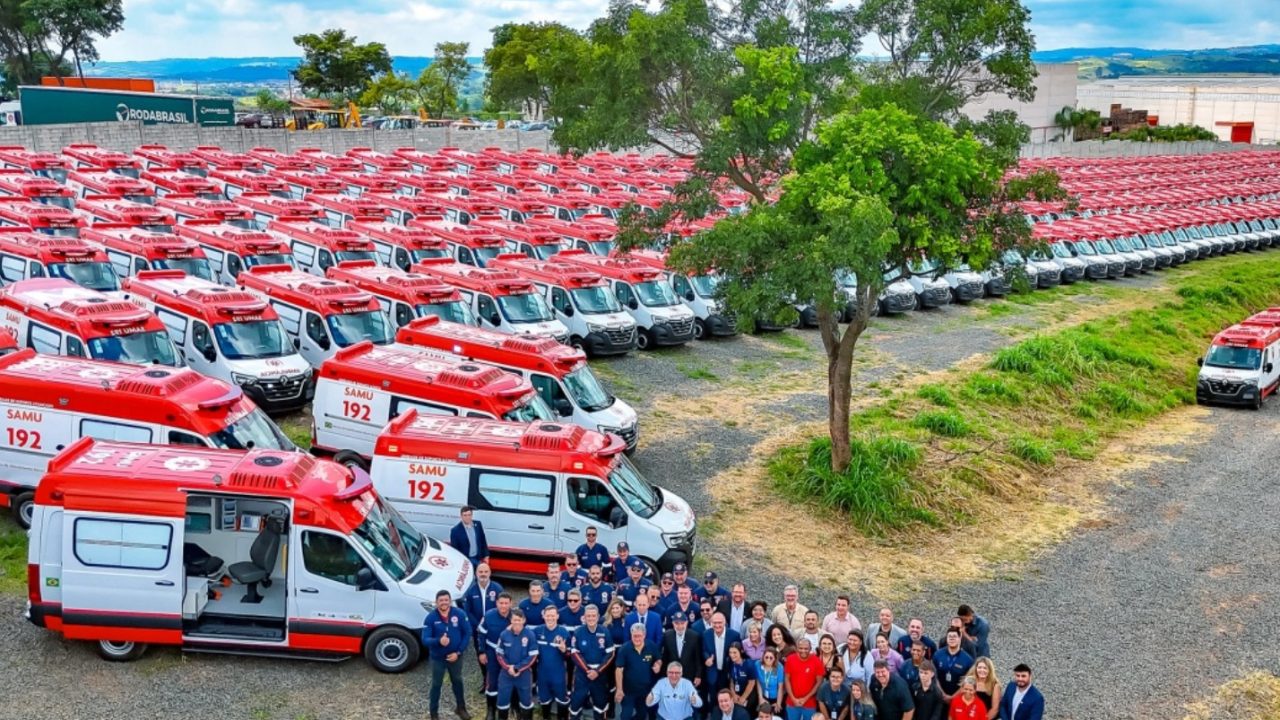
[[328, 162], [537, 243], [277, 162], [463, 209], [88, 155], [559, 373], [317, 247], [376, 162], [536, 487], [235, 183], [113, 210], [229, 334], [37, 189], [1241, 367], [321, 316], [415, 185], [96, 182], [25, 255], [362, 388], [645, 292], [221, 159], [399, 246], [159, 157], [405, 295], [581, 299], [582, 234], [21, 213], [180, 182], [424, 162], [190, 207], [500, 299], [468, 245], [231, 249], [267, 209], [401, 208], [130, 545], [132, 250], [303, 183], [359, 183], [340, 209], [56, 317], [50, 402], [698, 293], [42, 164]]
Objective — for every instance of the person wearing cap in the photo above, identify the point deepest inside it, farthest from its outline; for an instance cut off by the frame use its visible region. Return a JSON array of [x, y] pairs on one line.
[[644, 615], [711, 589], [666, 593], [633, 582], [680, 573], [591, 552], [467, 537], [621, 563], [684, 647]]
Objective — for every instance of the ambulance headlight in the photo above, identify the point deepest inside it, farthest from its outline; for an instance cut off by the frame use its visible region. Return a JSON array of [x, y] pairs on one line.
[[659, 320], [592, 327], [675, 540], [239, 379], [429, 607]]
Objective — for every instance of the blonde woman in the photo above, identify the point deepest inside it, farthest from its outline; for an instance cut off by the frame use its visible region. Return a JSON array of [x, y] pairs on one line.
[[986, 685]]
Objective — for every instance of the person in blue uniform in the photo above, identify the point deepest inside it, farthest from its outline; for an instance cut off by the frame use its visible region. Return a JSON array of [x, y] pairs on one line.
[[478, 600], [571, 611], [445, 634], [573, 571], [591, 552], [636, 670], [632, 582], [533, 605], [516, 651], [680, 574], [592, 656], [711, 589], [553, 654], [488, 631], [621, 565], [596, 591], [557, 586]]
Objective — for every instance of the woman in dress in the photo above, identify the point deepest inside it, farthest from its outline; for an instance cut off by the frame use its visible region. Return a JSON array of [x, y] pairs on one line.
[[987, 685]]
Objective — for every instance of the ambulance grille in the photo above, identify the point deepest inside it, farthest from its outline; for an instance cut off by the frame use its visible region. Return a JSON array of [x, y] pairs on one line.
[[168, 384]]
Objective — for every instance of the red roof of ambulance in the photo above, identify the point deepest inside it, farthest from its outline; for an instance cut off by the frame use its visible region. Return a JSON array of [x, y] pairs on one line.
[[408, 237], [232, 238], [627, 269], [327, 297], [1256, 336], [549, 271], [195, 297], [63, 304], [469, 277], [393, 283], [528, 352], [49, 248]]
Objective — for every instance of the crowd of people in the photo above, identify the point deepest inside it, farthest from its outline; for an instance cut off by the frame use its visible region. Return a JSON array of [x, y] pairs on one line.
[[598, 634]]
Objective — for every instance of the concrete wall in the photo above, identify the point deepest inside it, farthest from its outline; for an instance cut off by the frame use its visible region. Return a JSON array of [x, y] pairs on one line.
[[1055, 88], [127, 136], [1203, 101], [1124, 148]]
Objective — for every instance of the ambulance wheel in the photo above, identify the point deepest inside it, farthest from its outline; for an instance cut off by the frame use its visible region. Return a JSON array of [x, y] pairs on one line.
[[391, 649], [700, 329], [651, 569], [351, 460], [1257, 404], [24, 507], [644, 339], [116, 651]]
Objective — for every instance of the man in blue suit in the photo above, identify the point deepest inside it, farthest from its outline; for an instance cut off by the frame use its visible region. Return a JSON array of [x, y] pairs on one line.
[[647, 617], [1022, 701], [467, 537], [715, 657]]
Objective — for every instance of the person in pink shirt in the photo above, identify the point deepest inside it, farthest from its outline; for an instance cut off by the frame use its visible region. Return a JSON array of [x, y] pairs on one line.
[[883, 652], [840, 622]]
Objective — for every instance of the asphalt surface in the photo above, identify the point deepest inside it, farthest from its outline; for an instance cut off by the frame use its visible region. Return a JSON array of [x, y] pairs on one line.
[[1129, 620]]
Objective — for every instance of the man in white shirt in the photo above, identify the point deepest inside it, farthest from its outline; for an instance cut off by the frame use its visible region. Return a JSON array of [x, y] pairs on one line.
[[675, 697], [812, 632], [790, 614]]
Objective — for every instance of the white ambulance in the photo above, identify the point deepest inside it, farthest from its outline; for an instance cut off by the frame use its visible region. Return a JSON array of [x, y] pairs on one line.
[[1242, 365], [229, 334], [363, 387], [405, 295], [132, 250], [399, 246], [230, 249], [646, 294], [130, 545], [536, 487], [322, 316], [317, 247], [57, 317], [500, 299], [49, 402]]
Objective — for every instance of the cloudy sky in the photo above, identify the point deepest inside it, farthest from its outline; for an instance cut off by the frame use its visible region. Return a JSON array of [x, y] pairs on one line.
[[238, 28]]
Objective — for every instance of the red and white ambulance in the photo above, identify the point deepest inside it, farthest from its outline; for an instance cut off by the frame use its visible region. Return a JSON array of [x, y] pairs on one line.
[[340, 208], [328, 162], [405, 295], [317, 247], [399, 246], [646, 293], [276, 161], [49, 402], [221, 159], [424, 162], [582, 234], [171, 181], [537, 243], [500, 299], [42, 218], [58, 317], [402, 209], [132, 250], [25, 255], [470, 245], [159, 157], [97, 182], [190, 207], [231, 249], [1242, 365], [361, 388], [48, 191], [267, 209], [88, 155], [323, 316], [130, 542], [303, 183], [558, 372], [376, 162], [113, 210], [229, 334], [359, 183], [536, 487], [43, 164], [235, 183]]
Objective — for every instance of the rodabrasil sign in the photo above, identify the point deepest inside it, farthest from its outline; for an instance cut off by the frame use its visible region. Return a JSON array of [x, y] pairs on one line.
[[44, 105]]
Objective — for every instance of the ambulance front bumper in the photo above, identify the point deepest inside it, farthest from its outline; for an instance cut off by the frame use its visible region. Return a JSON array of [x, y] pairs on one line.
[[1226, 392], [280, 395], [611, 341]]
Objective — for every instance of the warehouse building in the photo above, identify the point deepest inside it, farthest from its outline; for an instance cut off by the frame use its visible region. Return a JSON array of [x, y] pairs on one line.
[[1240, 109]]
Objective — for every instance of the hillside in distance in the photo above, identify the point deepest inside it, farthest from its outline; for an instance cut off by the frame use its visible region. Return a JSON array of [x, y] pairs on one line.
[[231, 70], [1113, 62]]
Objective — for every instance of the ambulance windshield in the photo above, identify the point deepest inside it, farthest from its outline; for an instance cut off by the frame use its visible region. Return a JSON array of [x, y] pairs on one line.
[[600, 247], [526, 308], [252, 340], [456, 312], [428, 253], [100, 276], [270, 259], [485, 254], [634, 489], [595, 300], [656, 293], [535, 409], [345, 255], [193, 266], [351, 328], [586, 390], [254, 431], [1235, 358], [545, 252], [390, 539], [59, 200], [143, 348], [58, 174]]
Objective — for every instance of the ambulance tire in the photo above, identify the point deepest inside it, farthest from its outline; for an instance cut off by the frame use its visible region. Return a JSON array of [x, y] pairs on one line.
[[644, 339], [700, 331], [24, 506], [351, 460], [392, 649], [651, 569], [113, 651]]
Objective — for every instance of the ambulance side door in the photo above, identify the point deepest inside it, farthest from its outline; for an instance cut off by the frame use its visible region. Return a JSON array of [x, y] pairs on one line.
[[328, 609], [12, 268], [304, 254], [588, 502], [121, 262], [218, 262], [178, 326], [384, 252], [518, 510]]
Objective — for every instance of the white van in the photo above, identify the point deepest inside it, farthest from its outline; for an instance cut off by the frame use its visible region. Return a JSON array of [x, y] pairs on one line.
[[500, 299], [645, 292], [1242, 365]]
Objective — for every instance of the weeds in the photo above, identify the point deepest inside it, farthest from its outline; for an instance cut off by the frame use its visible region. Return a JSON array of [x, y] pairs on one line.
[[946, 423], [937, 395]]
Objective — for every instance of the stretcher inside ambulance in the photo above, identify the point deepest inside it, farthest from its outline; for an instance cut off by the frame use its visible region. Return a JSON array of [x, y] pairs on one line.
[[49, 402], [260, 552]]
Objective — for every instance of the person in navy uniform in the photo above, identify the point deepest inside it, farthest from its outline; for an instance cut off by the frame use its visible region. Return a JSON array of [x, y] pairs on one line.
[[632, 582], [490, 629], [591, 552], [467, 537], [621, 564], [592, 655], [557, 587], [571, 611], [680, 574], [573, 571], [445, 634], [666, 594], [477, 601], [684, 605], [596, 591], [553, 655], [516, 651], [636, 670], [533, 605], [711, 589]]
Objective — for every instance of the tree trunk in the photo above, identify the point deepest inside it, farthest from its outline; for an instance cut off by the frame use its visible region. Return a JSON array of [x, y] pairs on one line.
[[839, 347]]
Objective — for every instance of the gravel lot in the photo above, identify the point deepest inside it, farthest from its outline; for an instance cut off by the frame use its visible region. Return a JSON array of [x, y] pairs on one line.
[[1154, 592]]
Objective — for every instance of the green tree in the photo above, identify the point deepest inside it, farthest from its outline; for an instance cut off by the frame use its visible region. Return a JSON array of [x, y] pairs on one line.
[[523, 62], [1076, 123], [333, 63], [72, 27], [392, 93], [268, 102]]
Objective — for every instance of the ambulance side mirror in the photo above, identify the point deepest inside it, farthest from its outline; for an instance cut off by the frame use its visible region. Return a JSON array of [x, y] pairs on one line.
[[633, 304], [323, 343], [495, 319], [565, 409], [1200, 361], [297, 343], [1269, 367], [688, 295], [366, 580], [567, 310], [209, 353]]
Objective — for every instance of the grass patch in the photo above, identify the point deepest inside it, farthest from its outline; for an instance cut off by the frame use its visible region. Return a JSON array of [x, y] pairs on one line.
[[13, 558], [932, 455], [621, 385], [297, 427], [1255, 696], [788, 340], [697, 371]]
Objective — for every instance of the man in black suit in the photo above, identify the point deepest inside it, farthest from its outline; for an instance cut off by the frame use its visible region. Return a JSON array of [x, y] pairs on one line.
[[467, 537], [734, 608], [726, 709], [682, 645]]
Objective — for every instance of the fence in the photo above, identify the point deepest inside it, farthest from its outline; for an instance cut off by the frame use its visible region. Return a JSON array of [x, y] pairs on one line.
[[128, 135], [1126, 148]]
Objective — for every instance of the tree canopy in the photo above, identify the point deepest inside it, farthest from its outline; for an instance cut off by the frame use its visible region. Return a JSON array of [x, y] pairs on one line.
[[53, 37], [525, 62], [334, 64]]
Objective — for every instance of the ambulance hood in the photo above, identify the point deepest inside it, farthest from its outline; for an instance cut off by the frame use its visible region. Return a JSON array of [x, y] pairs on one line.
[[441, 568], [619, 415], [270, 368], [675, 515], [550, 328], [1209, 372], [610, 320], [672, 312]]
